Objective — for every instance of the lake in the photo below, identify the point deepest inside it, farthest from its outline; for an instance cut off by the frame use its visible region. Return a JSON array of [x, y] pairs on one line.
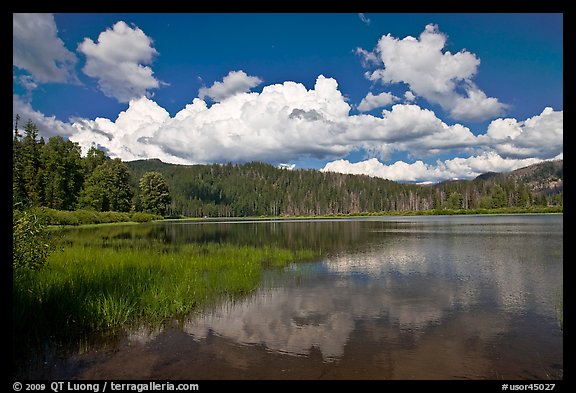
[[425, 297]]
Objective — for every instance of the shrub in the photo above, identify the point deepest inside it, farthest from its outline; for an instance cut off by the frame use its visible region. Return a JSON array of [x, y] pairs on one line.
[[31, 244], [63, 217], [144, 217], [87, 216], [108, 217], [47, 216]]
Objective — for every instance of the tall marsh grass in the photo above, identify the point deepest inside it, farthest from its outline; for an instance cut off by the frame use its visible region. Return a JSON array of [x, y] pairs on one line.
[[104, 286]]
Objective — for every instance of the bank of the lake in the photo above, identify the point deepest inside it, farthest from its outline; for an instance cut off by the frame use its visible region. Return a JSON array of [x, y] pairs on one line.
[[394, 213], [57, 218], [410, 297], [101, 285]]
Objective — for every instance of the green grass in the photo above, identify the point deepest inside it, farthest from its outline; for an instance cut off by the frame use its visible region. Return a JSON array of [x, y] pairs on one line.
[[58, 218], [101, 288]]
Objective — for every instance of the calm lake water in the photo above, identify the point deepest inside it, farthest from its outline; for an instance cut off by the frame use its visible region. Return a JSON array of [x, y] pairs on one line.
[[430, 297]]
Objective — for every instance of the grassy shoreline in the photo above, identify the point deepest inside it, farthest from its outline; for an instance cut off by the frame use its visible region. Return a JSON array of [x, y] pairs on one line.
[[92, 288], [82, 218], [395, 213], [138, 284], [101, 285]]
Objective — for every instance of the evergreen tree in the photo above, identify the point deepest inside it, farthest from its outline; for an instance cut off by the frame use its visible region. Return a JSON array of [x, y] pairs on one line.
[[557, 199], [63, 173], [522, 196], [94, 158], [261, 189], [540, 200], [30, 148], [107, 188], [18, 184], [154, 193], [499, 198], [454, 201]]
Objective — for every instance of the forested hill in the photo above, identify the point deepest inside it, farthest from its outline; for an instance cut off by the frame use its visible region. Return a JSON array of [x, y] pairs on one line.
[[542, 178], [258, 189]]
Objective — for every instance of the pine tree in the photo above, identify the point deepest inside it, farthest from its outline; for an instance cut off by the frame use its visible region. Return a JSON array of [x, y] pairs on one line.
[[499, 198], [94, 158], [30, 148], [18, 184], [154, 193], [63, 173]]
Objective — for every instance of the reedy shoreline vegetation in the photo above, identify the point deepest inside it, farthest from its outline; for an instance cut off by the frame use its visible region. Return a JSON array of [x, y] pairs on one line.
[[92, 287]]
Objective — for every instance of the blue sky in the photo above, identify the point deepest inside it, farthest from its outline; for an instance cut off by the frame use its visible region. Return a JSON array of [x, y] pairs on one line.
[[409, 97]]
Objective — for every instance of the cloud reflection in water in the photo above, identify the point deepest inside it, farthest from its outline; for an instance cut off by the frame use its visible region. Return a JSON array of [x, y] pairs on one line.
[[408, 289]]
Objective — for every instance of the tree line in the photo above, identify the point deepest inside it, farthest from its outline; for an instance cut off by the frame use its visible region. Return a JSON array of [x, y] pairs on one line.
[[259, 189], [54, 174]]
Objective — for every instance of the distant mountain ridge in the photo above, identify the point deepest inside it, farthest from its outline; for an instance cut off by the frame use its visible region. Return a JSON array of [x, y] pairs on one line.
[[542, 178]]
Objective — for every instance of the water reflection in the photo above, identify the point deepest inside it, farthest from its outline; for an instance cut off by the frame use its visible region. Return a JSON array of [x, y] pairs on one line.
[[405, 286], [418, 297], [317, 314]]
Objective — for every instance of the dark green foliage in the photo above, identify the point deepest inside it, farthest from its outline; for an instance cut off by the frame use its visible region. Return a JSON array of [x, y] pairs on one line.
[[107, 188], [94, 158], [498, 197], [63, 173], [29, 159], [18, 184], [557, 200], [258, 189], [154, 193], [83, 217], [54, 175], [45, 174], [454, 201]]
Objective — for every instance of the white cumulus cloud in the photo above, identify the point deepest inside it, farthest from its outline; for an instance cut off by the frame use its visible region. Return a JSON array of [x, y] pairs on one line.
[[508, 144], [456, 168], [48, 126], [233, 83], [119, 60], [438, 76], [129, 136], [409, 96], [539, 136], [288, 122], [371, 101], [409, 128], [37, 49], [283, 123]]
